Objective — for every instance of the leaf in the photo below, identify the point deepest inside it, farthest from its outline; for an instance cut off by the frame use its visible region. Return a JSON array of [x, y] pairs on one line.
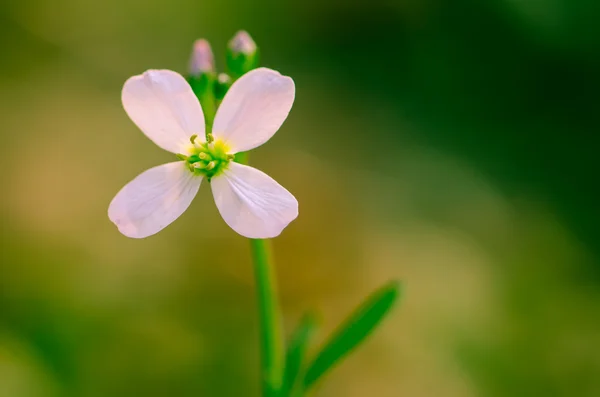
[[353, 331], [296, 353]]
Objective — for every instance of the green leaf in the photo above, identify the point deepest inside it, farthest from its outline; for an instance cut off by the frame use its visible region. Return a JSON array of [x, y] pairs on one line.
[[296, 353], [353, 331]]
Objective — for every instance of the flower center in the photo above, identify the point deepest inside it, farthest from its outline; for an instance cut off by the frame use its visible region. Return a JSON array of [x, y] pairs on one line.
[[208, 158]]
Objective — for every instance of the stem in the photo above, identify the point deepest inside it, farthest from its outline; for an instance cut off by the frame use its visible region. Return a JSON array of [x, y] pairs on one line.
[[271, 337], [272, 351], [204, 86], [271, 342]]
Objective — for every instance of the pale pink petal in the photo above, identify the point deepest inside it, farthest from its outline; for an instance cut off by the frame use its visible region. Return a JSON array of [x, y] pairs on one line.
[[162, 104], [252, 203], [253, 109], [154, 199]]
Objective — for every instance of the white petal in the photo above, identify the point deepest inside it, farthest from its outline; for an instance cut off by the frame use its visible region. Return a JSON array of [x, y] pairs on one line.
[[252, 203], [154, 199], [254, 108], [162, 104]]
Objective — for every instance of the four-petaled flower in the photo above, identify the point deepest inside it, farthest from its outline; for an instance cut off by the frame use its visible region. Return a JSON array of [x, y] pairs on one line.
[[161, 103]]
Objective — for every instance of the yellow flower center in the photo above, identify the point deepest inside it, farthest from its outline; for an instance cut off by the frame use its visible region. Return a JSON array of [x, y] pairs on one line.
[[208, 158]]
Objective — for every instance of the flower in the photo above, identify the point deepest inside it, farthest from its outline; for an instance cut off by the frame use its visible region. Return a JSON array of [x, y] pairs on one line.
[[162, 104]]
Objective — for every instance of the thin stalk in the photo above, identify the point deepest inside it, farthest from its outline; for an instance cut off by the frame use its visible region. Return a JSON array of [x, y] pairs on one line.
[[271, 337], [272, 350], [271, 340]]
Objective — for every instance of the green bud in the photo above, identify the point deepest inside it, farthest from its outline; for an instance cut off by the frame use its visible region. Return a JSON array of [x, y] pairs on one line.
[[210, 165], [222, 85], [242, 54]]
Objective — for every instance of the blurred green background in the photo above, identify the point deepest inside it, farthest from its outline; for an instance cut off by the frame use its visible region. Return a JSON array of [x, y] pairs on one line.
[[449, 144]]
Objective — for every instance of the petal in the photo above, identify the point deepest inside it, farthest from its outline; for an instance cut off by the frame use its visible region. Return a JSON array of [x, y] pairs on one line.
[[252, 203], [162, 104], [254, 108], [154, 199]]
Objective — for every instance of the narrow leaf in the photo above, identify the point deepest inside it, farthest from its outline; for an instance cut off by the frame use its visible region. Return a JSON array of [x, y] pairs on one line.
[[353, 331], [296, 353]]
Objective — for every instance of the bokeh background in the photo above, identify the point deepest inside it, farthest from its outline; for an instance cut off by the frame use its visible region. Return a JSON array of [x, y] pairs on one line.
[[450, 144]]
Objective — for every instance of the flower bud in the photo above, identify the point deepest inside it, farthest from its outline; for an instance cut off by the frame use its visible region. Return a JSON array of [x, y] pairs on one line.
[[242, 54], [202, 60], [222, 85], [242, 43], [202, 77]]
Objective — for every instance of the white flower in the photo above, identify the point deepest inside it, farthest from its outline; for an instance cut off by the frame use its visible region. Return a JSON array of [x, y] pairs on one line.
[[162, 104]]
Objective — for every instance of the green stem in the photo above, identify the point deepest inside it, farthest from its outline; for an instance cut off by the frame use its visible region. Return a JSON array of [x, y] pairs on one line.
[[204, 86], [271, 342], [271, 337], [272, 351]]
